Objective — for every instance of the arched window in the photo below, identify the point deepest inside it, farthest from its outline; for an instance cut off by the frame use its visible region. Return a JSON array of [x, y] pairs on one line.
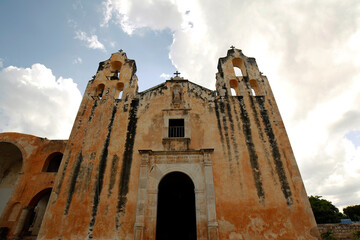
[[233, 87], [52, 162], [100, 90], [119, 89], [254, 87], [115, 69], [239, 67]]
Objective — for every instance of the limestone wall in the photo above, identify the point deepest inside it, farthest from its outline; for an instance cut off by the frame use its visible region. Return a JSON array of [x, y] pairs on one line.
[[340, 231]]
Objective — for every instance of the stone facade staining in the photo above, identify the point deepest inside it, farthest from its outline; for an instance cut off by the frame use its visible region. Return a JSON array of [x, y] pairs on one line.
[[129, 149]]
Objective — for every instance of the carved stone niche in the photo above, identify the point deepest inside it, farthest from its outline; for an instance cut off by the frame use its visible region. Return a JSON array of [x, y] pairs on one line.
[[177, 96], [154, 166]]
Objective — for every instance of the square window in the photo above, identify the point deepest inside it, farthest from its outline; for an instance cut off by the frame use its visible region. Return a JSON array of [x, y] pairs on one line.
[[176, 128]]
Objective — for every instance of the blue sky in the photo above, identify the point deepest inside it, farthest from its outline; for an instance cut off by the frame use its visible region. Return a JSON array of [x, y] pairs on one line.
[[45, 32], [309, 50]]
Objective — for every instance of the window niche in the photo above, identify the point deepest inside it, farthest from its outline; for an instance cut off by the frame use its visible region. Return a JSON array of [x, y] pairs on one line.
[[52, 163], [177, 96], [176, 132], [176, 128]]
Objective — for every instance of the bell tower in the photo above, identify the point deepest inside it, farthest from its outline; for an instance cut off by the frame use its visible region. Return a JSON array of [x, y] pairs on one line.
[[239, 75], [98, 153], [115, 79]]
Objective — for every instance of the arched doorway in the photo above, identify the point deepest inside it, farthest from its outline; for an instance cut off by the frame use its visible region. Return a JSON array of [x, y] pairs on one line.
[[176, 214], [10, 166]]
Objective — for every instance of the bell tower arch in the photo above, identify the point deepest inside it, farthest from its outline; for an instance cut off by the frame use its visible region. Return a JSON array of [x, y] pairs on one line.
[[115, 77], [239, 75]]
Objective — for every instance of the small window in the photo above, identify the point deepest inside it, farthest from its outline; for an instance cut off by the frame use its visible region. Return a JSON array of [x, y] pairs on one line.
[[52, 163], [176, 128]]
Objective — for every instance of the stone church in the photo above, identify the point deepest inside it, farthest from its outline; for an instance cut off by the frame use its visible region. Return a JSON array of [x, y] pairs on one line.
[[176, 161]]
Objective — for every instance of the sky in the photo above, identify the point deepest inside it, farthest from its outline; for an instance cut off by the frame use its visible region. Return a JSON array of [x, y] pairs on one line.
[[308, 49]]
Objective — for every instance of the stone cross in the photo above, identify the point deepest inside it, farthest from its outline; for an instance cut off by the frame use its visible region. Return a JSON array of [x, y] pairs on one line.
[[176, 73], [232, 47]]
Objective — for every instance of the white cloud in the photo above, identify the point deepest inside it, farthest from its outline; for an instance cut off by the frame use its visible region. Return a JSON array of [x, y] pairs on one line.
[[92, 41], [1, 62], [134, 14], [77, 60], [33, 101], [308, 49], [165, 76]]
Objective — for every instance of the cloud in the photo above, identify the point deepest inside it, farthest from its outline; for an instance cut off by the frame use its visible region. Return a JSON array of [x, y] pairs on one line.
[[92, 41], [33, 101], [165, 76], [134, 14], [77, 60], [308, 49], [1, 62]]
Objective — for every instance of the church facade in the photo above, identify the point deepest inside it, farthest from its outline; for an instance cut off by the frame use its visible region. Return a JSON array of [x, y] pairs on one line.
[[176, 161]]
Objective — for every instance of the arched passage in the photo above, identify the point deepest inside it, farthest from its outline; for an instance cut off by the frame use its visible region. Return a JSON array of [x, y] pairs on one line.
[[10, 166], [37, 207], [176, 215]]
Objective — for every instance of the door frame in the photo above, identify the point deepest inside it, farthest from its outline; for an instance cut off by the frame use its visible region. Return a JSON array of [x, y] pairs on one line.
[[197, 165]]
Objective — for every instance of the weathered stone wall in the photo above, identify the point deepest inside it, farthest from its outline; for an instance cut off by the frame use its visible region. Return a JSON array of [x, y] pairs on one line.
[[341, 231], [31, 179]]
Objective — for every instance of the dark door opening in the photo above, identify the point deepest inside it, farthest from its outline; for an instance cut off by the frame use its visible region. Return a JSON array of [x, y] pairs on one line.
[[176, 215]]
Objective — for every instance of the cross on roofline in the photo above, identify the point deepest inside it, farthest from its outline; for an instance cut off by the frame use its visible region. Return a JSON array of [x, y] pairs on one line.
[[232, 47], [176, 73]]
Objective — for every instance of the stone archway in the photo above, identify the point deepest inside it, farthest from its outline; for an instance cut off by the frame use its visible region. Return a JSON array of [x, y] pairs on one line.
[[11, 161], [176, 214], [155, 166], [35, 213]]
